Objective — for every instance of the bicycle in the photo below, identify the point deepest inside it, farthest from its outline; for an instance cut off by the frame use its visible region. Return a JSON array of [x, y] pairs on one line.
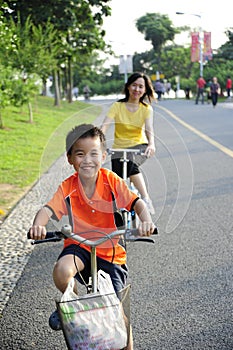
[[130, 218], [92, 287]]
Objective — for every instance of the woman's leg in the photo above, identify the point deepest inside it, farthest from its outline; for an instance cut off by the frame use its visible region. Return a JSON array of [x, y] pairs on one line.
[[139, 183]]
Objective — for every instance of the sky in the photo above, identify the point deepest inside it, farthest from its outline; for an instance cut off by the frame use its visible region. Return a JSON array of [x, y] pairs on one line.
[[122, 34]]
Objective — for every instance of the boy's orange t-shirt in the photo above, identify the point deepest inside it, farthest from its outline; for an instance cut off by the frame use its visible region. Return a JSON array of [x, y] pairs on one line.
[[94, 214]]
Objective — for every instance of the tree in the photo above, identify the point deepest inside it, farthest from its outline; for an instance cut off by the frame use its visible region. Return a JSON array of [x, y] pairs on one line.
[[78, 22], [31, 51], [6, 90], [226, 50], [158, 29]]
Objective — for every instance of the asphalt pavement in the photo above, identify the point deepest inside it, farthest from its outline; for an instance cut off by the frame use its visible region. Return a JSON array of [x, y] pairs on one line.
[[181, 295]]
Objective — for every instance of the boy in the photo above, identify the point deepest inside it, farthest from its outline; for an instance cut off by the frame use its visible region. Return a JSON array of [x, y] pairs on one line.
[[87, 198]]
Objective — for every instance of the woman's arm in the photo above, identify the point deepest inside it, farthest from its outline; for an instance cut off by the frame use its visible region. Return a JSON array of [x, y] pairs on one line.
[[149, 131]]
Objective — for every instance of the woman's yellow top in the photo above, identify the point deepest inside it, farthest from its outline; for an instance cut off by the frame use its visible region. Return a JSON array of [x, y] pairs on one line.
[[129, 126]]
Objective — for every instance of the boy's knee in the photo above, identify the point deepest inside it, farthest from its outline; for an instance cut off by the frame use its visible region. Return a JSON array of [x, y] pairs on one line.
[[62, 270], [62, 275]]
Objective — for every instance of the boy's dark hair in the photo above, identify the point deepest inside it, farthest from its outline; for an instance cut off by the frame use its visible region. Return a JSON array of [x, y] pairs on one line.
[[82, 131]]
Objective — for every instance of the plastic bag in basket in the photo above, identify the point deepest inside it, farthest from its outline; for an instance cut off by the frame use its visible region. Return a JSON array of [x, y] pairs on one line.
[[94, 321]]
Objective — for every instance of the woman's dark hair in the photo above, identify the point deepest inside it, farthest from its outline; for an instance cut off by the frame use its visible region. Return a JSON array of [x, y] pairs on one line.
[[149, 94], [82, 131]]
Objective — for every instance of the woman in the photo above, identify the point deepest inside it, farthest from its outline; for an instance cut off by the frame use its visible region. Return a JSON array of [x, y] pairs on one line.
[[133, 120], [215, 91]]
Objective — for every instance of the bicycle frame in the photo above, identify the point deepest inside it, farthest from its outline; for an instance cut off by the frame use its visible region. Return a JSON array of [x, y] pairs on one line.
[[128, 217], [124, 158]]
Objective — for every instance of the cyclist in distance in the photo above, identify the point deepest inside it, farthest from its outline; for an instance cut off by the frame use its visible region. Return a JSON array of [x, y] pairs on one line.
[[133, 121], [86, 197]]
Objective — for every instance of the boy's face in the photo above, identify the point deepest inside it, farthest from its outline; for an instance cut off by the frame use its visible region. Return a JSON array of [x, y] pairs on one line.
[[87, 157]]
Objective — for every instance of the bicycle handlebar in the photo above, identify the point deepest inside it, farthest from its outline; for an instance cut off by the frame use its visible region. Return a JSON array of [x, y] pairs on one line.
[[126, 150], [131, 235]]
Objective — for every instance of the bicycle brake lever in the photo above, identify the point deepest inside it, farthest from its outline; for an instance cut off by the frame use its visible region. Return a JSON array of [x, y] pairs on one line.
[[144, 239]]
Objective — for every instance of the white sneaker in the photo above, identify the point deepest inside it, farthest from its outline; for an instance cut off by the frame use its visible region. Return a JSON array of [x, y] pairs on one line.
[[149, 205]]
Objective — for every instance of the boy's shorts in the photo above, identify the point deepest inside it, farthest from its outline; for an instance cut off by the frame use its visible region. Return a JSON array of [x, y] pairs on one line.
[[118, 273]]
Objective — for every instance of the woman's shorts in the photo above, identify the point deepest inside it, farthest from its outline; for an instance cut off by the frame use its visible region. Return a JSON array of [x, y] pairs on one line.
[[135, 160], [118, 273]]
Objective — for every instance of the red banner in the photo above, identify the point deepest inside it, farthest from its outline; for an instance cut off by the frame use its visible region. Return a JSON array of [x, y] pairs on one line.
[[207, 51], [195, 52]]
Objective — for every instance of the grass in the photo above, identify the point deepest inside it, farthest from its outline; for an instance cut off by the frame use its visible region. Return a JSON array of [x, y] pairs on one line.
[[28, 149]]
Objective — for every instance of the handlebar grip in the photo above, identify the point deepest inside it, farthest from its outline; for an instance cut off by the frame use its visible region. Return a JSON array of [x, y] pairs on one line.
[[55, 236], [48, 235]]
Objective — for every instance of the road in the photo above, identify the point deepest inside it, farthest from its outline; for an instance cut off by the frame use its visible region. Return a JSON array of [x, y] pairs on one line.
[[182, 293]]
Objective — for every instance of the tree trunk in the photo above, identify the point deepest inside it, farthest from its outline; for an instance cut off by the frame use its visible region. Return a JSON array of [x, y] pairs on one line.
[[69, 81], [30, 112], [44, 87], [1, 120], [56, 88]]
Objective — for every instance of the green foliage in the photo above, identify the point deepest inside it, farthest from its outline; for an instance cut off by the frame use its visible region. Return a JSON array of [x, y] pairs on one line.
[[24, 90], [33, 49], [190, 83], [156, 28], [23, 144], [6, 89], [52, 34], [113, 87], [78, 22]]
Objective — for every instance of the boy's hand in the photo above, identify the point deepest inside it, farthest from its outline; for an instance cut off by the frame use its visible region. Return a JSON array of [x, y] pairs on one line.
[[37, 232], [146, 228]]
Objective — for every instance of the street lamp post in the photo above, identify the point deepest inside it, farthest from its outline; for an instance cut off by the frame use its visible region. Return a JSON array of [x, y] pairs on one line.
[[200, 39]]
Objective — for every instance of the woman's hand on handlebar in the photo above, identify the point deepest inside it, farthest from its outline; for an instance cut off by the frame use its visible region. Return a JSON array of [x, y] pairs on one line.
[[146, 228], [37, 232], [150, 150]]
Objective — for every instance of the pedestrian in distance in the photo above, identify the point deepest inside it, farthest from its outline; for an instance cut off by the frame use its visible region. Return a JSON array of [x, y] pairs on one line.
[[75, 92], [228, 86], [187, 93], [159, 89], [168, 87], [86, 197], [132, 117], [208, 92], [200, 89], [86, 92], [215, 91]]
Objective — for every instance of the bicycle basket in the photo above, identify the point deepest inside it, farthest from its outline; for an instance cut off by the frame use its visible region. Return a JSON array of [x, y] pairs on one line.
[[94, 321]]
